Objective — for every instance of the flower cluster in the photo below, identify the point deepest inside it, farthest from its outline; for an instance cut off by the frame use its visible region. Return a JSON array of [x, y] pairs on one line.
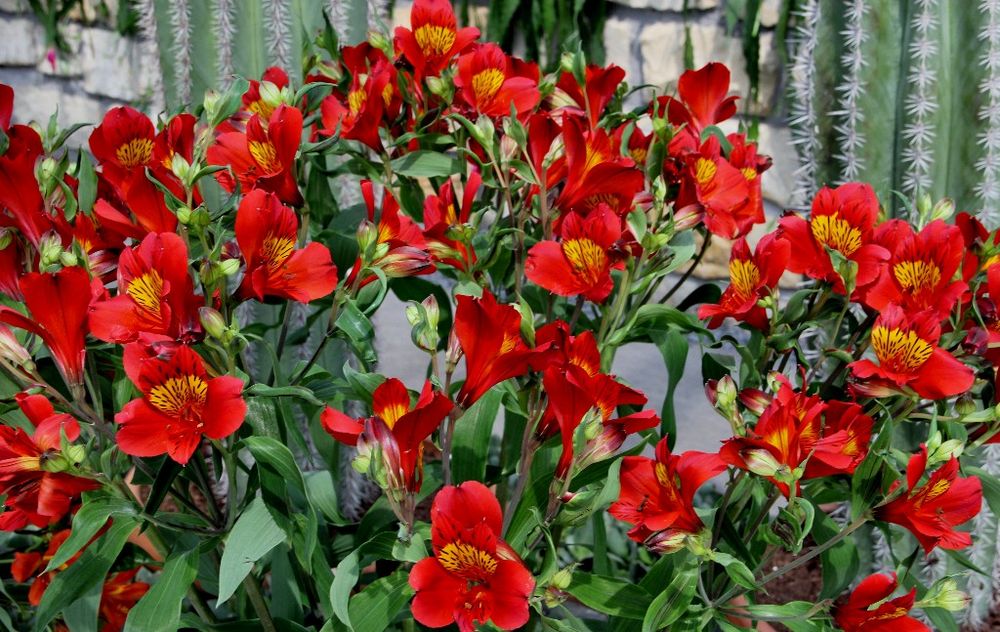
[[188, 347]]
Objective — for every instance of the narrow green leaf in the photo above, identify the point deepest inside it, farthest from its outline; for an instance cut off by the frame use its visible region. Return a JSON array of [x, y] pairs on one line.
[[263, 390], [253, 536], [609, 595], [473, 431], [673, 602], [271, 453], [425, 164], [160, 609], [86, 191], [374, 608], [92, 515]]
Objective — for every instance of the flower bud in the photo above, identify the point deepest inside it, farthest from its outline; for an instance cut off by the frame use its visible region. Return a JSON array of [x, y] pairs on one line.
[[367, 236], [761, 462], [49, 250], [13, 351], [270, 94], [229, 267], [665, 542], [943, 210], [945, 594], [439, 87], [755, 400], [184, 215], [381, 41], [67, 259], [75, 454], [6, 238], [424, 318], [54, 462], [965, 405], [213, 323], [48, 171], [180, 166], [211, 102], [939, 451], [923, 206]]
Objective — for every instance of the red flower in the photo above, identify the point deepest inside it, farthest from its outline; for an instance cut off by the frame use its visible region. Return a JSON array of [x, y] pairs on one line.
[[932, 511], [58, 304], [842, 219], [909, 357], [751, 277], [574, 394], [372, 92], [155, 294], [581, 262], [797, 431], [263, 157], [490, 336], [254, 103], [21, 203], [921, 268], [435, 38], [599, 86], [474, 576], [720, 190], [408, 425], [443, 218], [657, 495], [120, 593], [6, 105], [595, 172], [266, 231], [703, 101], [32, 469], [490, 82], [29, 566], [180, 403], [869, 608]]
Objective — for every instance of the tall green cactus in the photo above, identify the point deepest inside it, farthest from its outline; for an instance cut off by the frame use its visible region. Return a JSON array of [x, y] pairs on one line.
[[905, 95], [203, 44]]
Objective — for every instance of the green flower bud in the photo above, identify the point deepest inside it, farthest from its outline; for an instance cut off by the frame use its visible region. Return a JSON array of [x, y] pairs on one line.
[[761, 462], [184, 215], [213, 323], [229, 267], [75, 453], [945, 594]]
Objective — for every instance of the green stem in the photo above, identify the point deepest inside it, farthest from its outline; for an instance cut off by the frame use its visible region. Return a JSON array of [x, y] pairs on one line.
[[687, 273], [252, 586]]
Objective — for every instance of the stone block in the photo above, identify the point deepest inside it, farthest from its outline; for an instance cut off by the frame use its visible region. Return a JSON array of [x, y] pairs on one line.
[[22, 42], [676, 6], [662, 48], [38, 100], [111, 65], [621, 36], [65, 64], [14, 6], [778, 182], [770, 13]]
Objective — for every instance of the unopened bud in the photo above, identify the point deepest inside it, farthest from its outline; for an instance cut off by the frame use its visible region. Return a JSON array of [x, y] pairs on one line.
[[184, 215], [6, 238], [229, 267], [562, 578], [924, 206], [13, 351], [48, 170], [379, 40], [67, 259], [439, 87], [213, 323], [424, 318], [945, 594], [965, 405], [508, 149], [367, 236], [211, 103], [49, 249], [270, 94], [943, 210], [180, 166], [75, 454], [761, 462], [939, 451], [668, 541]]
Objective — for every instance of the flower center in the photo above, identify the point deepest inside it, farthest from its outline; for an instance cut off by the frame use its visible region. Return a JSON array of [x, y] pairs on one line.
[[356, 100], [392, 413], [586, 258], [180, 396], [749, 173], [262, 108], [277, 249], [638, 155], [900, 351], [147, 290], [704, 170], [744, 276], [487, 83], [929, 494], [836, 233], [434, 40], [135, 152], [467, 561], [916, 276], [265, 155]]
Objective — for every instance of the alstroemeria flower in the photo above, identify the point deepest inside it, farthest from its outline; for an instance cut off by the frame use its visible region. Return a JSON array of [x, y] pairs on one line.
[[32, 468], [575, 396], [720, 190], [932, 511], [920, 273], [490, 82], [261, 158], [842, 219], [870, 609], [908, 355], [599, 86], [179, 403], [58, 304], [702, 103], [595, 172], [442, 216], [657, 495], [267, 231], [119, 595], [21, 203], [751, 277], [254, 102], [399, 248], [798, 431], [581, 262], [409, 425], [474, 576], [29, 566], [433, 38], [155, 294], [371, 95]]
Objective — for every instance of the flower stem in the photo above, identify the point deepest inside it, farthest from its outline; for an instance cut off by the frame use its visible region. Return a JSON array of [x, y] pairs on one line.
[[252, 586]]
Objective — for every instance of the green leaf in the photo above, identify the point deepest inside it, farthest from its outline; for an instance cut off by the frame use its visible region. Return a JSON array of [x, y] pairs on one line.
[[737, 570], [426, 164], [673, 602], [263, 390], [609, 595], [840, 563], [473, 431], [271, 453], [358, 329], [159, 610], [90, 569], [86, 191], [374, 608], [253, 536], [93, 515], [673, 346]]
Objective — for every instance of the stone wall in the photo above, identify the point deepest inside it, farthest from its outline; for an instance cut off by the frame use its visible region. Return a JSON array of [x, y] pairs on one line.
[[103, 69]]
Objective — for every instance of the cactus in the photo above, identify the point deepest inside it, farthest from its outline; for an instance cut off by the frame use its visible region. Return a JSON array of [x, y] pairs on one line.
[[203, 44], [917, 99]]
